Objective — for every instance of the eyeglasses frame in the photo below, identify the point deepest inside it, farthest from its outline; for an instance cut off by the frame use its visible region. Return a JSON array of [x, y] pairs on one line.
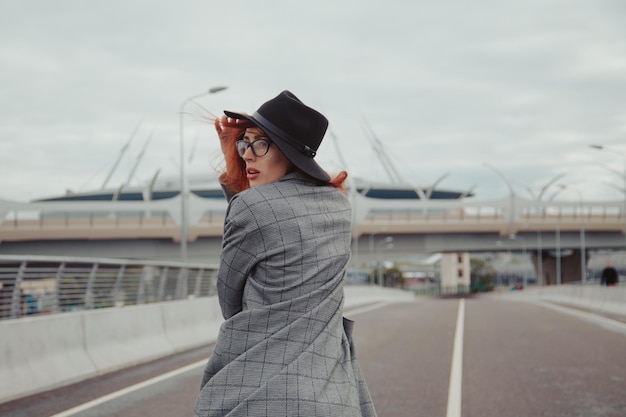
[[251, 146]]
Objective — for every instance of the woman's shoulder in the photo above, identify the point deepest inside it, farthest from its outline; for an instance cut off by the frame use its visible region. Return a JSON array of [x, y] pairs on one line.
[[288, 185], [255, 201], [292, 188], [293, 185]]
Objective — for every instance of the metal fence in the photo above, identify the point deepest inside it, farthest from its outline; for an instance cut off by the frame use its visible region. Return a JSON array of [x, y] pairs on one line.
[[32, 285]]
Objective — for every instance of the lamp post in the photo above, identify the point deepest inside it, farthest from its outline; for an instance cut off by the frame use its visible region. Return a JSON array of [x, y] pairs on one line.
[[558, 250], [372, 253], [623, 156], [538, 198], [387, 243], [521, 239], [512, 195], [183, 179]]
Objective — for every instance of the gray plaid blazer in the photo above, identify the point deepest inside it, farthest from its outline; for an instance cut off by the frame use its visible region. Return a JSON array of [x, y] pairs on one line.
[[285, 348]]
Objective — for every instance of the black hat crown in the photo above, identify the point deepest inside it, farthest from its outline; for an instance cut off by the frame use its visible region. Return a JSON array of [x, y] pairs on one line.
[[296, 129]]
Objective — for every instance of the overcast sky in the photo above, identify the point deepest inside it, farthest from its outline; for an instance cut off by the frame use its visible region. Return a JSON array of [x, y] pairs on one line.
[[471, 90]]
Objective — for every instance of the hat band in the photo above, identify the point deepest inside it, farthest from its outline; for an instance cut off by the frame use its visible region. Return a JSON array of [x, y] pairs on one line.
[[305, 149]]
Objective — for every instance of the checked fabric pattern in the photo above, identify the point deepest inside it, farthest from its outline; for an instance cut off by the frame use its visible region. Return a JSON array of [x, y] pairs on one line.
[[285, 348]]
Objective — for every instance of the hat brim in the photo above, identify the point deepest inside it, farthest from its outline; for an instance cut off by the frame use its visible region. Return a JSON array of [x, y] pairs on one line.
[[302, 161]]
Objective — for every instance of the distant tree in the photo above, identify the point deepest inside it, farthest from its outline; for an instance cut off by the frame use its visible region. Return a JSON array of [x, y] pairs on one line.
[[482, 275]]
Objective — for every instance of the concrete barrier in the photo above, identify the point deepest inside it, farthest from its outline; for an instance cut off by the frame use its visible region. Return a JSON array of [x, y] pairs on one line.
[[120, 337], [46, 352], [191, 323], [42, 353], [599, 299]]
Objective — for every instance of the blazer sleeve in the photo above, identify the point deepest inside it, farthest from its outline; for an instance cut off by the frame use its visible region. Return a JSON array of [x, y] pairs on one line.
[[239, 255]]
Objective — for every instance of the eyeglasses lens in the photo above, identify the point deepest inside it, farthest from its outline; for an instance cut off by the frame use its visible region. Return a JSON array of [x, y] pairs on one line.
[[260, 147]]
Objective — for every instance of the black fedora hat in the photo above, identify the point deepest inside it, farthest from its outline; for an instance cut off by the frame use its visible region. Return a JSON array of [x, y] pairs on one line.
[[295, 128]]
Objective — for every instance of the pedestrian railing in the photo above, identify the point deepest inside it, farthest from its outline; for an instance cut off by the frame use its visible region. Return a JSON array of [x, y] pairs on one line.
[[32, 285]]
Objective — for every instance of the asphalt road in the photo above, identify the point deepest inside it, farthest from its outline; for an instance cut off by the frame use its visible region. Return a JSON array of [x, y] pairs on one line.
[[514, 359]]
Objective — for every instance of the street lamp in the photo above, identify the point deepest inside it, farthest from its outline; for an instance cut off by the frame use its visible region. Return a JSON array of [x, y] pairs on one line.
[[558, 250], [387, 243], [183, 179], [538, 198], [512, 195], [525, 255], [623, 155]]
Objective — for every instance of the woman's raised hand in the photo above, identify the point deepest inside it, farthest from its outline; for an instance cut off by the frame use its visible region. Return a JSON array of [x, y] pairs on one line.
[[226, 128]]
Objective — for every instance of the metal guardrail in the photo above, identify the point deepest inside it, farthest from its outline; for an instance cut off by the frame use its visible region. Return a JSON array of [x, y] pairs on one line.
[[33, 285]]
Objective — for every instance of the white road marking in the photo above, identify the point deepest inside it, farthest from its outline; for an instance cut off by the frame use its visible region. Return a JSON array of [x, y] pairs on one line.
[[456, 371], [130, 389]]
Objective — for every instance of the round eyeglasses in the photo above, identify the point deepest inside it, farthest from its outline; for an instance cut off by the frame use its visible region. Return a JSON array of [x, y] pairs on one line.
[[259, 147]]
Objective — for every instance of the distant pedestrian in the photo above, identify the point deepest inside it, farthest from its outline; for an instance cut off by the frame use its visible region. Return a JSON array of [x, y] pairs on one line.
[[609, 275]]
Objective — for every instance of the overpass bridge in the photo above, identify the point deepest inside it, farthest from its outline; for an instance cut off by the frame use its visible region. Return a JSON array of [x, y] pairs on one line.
[[548, 230]]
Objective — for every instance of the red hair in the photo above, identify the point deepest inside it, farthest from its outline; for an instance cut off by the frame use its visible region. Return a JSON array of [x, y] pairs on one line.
[[338, 181], [229, 131], [234, 177]]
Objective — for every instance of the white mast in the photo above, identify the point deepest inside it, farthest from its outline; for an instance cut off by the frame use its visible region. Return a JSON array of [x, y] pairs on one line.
[[119, 158], [143, 151], [383, 157], [388, 164]]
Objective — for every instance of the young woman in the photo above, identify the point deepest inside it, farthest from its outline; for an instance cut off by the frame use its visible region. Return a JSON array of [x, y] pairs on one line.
[[284, 348]]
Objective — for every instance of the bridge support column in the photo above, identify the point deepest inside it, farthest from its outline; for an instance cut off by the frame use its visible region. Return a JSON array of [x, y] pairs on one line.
[[455, 272], [569, 268]]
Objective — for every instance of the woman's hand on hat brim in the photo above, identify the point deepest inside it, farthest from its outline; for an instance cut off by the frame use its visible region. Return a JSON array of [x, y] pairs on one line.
[[226, 133]]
